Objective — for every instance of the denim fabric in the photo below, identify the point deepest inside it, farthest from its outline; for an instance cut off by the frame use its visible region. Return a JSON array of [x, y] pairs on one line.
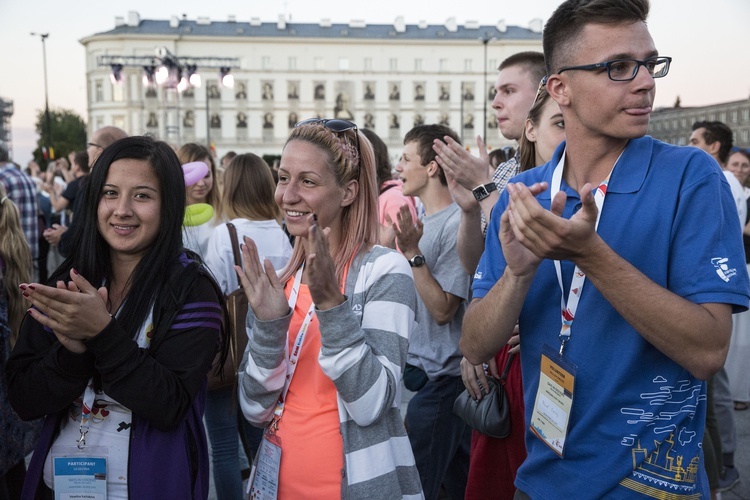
[[441, 441], [227, 456]]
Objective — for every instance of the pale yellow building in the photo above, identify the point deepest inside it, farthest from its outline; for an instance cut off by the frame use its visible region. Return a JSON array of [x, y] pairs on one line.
[[384, 77]]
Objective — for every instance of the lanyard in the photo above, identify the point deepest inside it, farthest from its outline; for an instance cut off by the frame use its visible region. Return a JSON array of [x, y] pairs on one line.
[[294, 355], [568, 311]]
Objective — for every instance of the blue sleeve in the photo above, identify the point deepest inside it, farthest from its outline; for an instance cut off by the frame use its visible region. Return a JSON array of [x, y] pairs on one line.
[[707, 261], [492, 263]]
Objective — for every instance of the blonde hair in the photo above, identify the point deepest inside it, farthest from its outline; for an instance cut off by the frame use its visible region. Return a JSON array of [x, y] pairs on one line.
[[195, 152], [248, 190], [16, 256], [359, 220]]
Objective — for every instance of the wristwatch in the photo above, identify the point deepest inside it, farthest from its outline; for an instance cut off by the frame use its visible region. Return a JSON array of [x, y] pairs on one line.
[[417, 261], [482, 191]]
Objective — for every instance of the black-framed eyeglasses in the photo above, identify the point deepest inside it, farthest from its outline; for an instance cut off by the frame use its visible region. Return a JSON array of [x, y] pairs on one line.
[[624, 70], [94, 145], [335, 125]]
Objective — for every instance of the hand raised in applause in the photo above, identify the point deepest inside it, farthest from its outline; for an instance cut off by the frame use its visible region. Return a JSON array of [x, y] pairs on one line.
[[74, 312], [321, 271], [408, 233], [265, 293], [468, 170], [546, 233]]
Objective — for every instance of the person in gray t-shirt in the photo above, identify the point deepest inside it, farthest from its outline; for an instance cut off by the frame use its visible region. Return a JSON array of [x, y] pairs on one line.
[[440, 440]]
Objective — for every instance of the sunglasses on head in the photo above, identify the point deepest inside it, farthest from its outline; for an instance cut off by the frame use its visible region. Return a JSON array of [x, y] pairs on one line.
[[334, 125]]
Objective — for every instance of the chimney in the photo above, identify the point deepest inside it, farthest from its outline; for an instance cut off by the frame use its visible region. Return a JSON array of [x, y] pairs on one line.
[[357, 23], [255, 21], [451, 25], [536, 25], [204, 20], [281, 23], [174, 22], [501, 26], [471, 25], [325, 22], [422, 24], [232, 18], [399, 25], [134, 19], [119, 21]]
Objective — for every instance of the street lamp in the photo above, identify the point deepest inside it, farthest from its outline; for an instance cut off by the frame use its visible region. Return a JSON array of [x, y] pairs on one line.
[[48, 119], [485, 41]]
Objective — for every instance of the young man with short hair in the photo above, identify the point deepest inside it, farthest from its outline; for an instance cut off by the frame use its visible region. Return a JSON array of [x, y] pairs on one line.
[[614, 371], [440, 440], [515, 89]]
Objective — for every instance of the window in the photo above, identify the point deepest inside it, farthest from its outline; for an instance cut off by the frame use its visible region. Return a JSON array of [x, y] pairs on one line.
[[292, 63], [118, 92], [118, 121], [98, 91], [492, 64], [746, 136], [368, 63], [417, 65], [393, 64], [319, 63], [443, 65], [734, 116], [343, 63], [265, 62], [467, 65], [746, 114]]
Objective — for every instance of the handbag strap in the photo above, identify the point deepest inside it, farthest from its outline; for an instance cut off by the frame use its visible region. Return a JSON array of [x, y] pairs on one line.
[[504, 376], [235, 247]]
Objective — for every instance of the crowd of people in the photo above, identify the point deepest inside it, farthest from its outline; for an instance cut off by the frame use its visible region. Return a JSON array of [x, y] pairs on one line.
[[365, 278]]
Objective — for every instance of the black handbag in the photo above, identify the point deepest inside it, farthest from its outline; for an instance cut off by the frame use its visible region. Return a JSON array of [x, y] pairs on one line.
[[491, 414]]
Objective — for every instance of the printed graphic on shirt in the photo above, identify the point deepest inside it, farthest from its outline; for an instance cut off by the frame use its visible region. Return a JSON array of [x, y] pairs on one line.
[[722, 269], [666, 464]]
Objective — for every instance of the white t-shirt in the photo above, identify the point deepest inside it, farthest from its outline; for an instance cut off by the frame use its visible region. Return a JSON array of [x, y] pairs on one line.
[[273, 244]]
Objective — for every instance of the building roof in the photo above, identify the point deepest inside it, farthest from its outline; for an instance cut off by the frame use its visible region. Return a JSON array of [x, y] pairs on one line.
[[356, 30]]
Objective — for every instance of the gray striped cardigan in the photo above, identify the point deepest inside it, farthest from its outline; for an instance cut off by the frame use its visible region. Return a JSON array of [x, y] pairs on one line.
[[364, 345]]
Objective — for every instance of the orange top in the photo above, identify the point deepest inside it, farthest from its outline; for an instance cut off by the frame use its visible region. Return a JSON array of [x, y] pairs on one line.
[[312, 450]]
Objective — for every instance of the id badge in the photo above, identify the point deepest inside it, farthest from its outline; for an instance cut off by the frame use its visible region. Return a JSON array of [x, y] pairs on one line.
[[554, 399], [79, 473], [264, 477]]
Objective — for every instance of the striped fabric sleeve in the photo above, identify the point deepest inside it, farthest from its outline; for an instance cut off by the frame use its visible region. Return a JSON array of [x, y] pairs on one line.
[[365, 358]]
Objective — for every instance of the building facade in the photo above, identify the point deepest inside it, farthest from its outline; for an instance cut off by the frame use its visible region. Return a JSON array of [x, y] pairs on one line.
[[384, 77], [673, 125], [6, 136]]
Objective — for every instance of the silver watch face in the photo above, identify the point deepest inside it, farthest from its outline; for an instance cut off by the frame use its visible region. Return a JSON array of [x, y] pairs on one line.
[[416, 261]]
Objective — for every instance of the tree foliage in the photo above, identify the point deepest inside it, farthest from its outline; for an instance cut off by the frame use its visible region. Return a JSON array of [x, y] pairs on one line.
[[68, 134]]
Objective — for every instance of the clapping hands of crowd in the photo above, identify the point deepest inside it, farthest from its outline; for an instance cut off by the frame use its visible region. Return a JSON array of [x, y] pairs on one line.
[[265, 293], [529, 233], [75, 311], [408, 232], [468, 170]]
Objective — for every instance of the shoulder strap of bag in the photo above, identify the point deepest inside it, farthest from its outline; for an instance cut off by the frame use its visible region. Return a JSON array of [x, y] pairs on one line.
[[507, 367], [235, 247]]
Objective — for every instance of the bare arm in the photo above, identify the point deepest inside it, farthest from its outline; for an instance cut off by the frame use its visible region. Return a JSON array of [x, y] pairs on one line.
[[441, 304]]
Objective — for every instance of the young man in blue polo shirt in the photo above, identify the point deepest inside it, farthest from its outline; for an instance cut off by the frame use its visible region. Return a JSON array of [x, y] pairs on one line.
[[614, 370]]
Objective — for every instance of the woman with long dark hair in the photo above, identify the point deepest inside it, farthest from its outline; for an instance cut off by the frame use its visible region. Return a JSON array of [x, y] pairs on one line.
[[115, 349]]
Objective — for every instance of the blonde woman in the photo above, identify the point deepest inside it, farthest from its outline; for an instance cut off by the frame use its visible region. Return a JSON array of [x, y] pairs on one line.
[[330, 334]]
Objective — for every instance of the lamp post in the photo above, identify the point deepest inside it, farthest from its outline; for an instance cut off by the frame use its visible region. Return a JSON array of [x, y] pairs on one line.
[[485, 41], [47, 118]]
